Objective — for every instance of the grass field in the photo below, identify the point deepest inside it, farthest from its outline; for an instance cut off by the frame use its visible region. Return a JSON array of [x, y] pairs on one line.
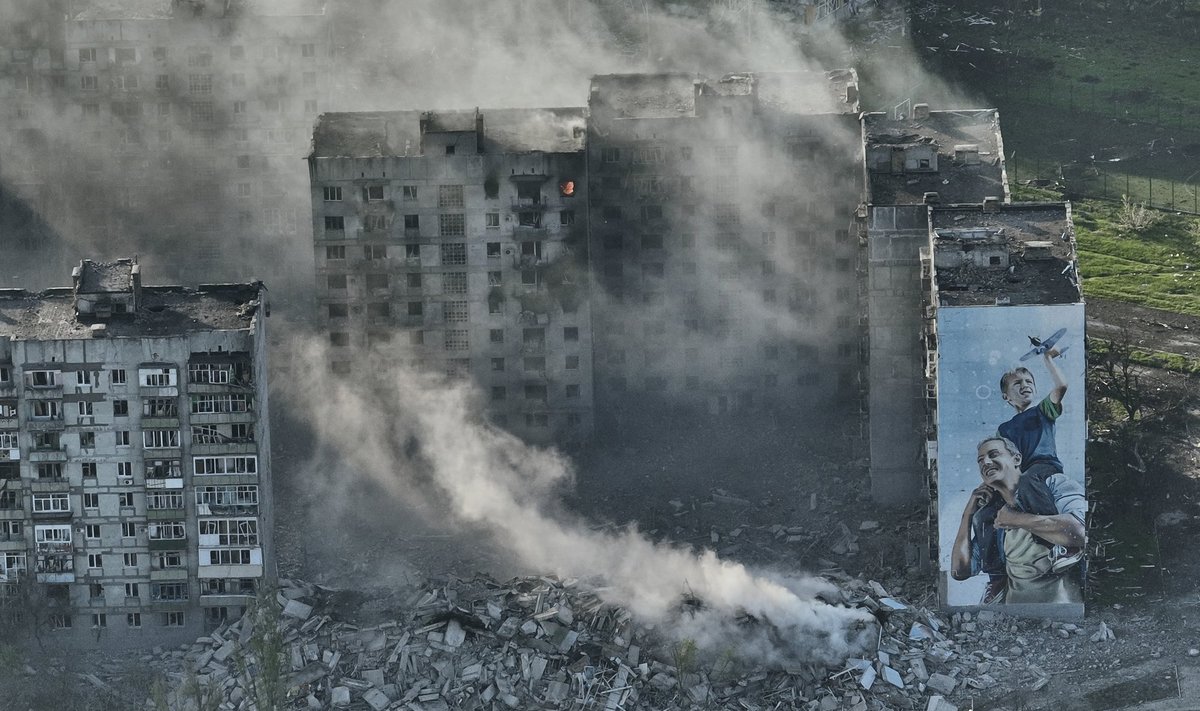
[[1100, 100], [1157, 266]]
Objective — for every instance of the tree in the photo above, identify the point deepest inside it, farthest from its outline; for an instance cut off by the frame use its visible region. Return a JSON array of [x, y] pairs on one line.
[[261, 661]]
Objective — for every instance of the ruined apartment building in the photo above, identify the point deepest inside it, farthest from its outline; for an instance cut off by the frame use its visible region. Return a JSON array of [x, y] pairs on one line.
[[126, 105], [724, 259], [912, 163], [1003, 344], [454, 241], [135, 487]]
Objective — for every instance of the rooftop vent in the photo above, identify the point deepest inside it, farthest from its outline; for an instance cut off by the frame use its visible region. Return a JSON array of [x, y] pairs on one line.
[[920, 112], [931, 198], [991, 203]]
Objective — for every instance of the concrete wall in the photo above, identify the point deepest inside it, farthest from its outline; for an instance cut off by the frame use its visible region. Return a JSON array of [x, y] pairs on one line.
[[123, 499], [538, 387], [896, 371]]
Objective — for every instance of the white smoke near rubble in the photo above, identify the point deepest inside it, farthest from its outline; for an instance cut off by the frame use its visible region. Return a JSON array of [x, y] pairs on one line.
[[415, 435]]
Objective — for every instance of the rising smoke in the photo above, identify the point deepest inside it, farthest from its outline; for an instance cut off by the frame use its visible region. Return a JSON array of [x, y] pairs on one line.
[[413, 434]]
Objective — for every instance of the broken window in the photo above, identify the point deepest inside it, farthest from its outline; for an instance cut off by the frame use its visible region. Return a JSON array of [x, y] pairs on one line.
[[536, 392], [412, 251], [336, 281], [491, 220], [160, 439], [498, 365], [339, 339], [335, 253], [335, 223], [529, 218], [493, 250], [534, 363], [377, 281], [495, 278], [408, 192], [416, 308], [457, 340], [496, 335], [531, 277], [499, 392], [572, 362], [610, 154], [570, 333], [372, 193], [652, 212], [531, 249], [46, 410]]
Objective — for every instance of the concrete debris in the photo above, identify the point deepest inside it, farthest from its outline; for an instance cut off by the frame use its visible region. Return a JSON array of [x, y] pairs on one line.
[[542, 642], [1104, 634]]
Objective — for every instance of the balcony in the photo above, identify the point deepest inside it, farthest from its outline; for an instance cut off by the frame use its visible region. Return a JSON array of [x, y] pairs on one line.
[[161, 423], [45, 424], [54, 515], [169, 544], [168, 574], [164, 483], [230, 447], [48, 455], [50, 485], [164, 514], [527, 204]]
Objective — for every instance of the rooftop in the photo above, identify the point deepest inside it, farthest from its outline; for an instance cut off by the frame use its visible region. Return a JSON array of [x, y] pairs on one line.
[[674, 95], [376, 134], [1007, 254], [166, 9], [95, 277], [964, 150], [164, 311]]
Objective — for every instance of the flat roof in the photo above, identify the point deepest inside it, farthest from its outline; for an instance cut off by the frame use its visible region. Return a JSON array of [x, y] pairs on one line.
[[377, 134], [944, 131], [96, 277], [166, 9], [163, 311], [673, 95], [1040, 242]]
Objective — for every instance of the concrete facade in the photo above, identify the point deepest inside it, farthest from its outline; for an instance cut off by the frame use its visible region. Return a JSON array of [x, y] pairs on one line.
[[911, 163], [725, 255], [456, 242], [135, 487]]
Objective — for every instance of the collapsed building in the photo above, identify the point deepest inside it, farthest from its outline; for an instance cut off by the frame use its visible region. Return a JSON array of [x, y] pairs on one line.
[[135, 481]]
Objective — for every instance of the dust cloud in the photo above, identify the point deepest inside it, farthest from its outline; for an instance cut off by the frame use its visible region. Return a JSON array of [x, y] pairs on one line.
[[419, 436]]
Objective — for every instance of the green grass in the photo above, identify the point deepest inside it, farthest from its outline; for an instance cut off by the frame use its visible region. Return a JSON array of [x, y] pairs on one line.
[[1158, 266], [1097, 99]]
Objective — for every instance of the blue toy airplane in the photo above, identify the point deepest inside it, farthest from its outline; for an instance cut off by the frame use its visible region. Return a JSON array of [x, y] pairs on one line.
[[1040, 346]]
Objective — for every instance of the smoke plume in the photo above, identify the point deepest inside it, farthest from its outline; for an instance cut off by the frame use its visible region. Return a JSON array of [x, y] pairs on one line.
[[418, 435]]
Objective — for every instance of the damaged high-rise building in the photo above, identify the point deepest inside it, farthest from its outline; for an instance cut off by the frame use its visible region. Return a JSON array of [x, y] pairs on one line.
[[135, 485], [501, 244], [456, 241]]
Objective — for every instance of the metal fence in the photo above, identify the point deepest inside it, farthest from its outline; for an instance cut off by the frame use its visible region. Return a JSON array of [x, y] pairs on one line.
[[1104, 181]]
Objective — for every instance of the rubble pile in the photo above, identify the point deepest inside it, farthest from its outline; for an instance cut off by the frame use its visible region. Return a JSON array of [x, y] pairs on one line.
[[554, 644]]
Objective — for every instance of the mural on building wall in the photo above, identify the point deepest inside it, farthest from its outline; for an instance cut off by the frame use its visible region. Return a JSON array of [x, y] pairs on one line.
[[1011, 434]]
